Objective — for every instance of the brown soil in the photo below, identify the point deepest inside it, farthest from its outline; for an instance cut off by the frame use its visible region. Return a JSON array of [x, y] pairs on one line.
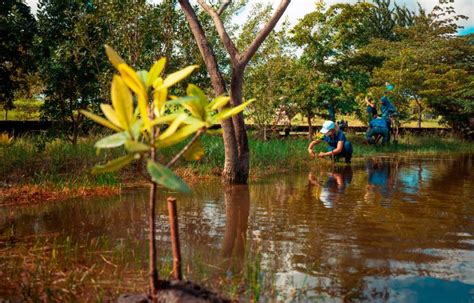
[[35, 194]]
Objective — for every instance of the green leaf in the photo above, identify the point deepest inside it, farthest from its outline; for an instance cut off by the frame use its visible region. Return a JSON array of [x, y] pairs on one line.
[[195, 151], [113, 165], [112, 141], [166, 177], [218, 103], [100, 120], [136, 127], [136, 147], [180, 135], [143, 76]]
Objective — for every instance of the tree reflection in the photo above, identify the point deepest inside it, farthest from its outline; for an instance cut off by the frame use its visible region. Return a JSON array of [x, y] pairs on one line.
[[237, 205]]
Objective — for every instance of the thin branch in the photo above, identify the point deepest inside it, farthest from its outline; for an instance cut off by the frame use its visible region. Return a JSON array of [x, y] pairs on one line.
[[204, 48], [181, 153], [226, 40], [224, 5], [262, 35]]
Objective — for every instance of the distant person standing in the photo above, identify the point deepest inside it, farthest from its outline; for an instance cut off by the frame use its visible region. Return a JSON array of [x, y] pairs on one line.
[[388, 112], [371, 108], [338, 147]]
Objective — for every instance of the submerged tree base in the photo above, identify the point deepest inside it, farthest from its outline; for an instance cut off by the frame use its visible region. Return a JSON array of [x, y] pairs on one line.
[[176, 291]]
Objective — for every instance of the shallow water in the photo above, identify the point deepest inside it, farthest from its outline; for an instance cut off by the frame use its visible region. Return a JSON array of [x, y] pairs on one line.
[[390, 229]]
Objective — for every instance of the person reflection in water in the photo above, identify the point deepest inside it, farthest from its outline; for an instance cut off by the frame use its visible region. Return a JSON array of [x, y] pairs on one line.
[[380, 180], [333, 185], [237, 205]]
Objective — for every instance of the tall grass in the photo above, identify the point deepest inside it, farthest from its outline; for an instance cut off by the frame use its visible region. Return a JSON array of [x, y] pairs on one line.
[[35, 160]]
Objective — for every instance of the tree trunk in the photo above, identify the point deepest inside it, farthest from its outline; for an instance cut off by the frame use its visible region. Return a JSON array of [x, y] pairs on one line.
[[75, 131], [310, 126], [237, 156], [231, 173], [419, 113], [236, 88]]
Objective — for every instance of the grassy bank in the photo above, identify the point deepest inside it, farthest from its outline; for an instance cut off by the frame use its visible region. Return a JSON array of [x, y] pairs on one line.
[[56, 166]]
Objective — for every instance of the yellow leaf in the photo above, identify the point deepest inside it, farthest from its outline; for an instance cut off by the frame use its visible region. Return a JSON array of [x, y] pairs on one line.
[[176, 77], [122, 102], [159, 97], [110, 114], [193, 90], [100, 120], [173, 126], [218, 103], [155, 71], [114, 58], [132, 80], [135, 84], [229, 112], [180, 135], [164, 119]]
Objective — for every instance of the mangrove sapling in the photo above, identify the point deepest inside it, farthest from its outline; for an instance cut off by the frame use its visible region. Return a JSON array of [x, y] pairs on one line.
[[157, 122]]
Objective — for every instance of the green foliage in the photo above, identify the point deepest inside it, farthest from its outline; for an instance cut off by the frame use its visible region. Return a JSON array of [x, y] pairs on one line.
[[17, 29], [437, 75], [155, 122]]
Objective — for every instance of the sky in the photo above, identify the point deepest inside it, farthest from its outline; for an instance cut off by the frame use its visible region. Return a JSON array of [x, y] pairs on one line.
[[298, 8]]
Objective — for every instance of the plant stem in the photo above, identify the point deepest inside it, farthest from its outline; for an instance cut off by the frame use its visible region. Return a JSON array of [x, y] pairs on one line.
[[174, 233], [154, 282], [181, 153]]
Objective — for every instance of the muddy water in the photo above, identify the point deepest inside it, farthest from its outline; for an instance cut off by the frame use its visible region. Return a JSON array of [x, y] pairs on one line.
[[389, 229]]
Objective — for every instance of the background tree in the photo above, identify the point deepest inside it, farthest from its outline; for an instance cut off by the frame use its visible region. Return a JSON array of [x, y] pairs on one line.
[[237, 156], [437, 75], [17, 29]]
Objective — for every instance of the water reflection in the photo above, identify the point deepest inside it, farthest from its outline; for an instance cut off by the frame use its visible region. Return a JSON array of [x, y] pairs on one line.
[[341, 233], [330, 185], [237, 209]]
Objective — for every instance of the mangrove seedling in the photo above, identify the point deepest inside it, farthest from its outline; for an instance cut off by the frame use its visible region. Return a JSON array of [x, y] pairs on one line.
[[147, 119]]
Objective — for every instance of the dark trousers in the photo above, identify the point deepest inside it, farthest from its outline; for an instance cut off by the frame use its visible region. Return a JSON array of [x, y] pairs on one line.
[[346, 152], [382, 131]]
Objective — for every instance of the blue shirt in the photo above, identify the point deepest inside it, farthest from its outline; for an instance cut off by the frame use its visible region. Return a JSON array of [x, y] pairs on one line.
[[378, 122], [332, 141], [371, 110], [387, 108]]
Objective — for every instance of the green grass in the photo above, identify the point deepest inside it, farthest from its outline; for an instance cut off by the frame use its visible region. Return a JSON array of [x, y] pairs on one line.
[[37, 160]]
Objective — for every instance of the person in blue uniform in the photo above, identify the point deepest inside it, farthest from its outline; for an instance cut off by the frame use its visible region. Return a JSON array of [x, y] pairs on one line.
[[388, 111], [371, 108], [377, 127], [339, 146]]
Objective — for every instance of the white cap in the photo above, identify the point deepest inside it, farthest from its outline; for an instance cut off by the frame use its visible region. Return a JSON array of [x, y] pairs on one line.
[[327, 126]]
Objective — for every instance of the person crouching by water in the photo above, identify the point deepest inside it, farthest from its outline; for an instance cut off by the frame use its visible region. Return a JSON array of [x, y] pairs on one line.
[[338, 147], [377, 127]]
